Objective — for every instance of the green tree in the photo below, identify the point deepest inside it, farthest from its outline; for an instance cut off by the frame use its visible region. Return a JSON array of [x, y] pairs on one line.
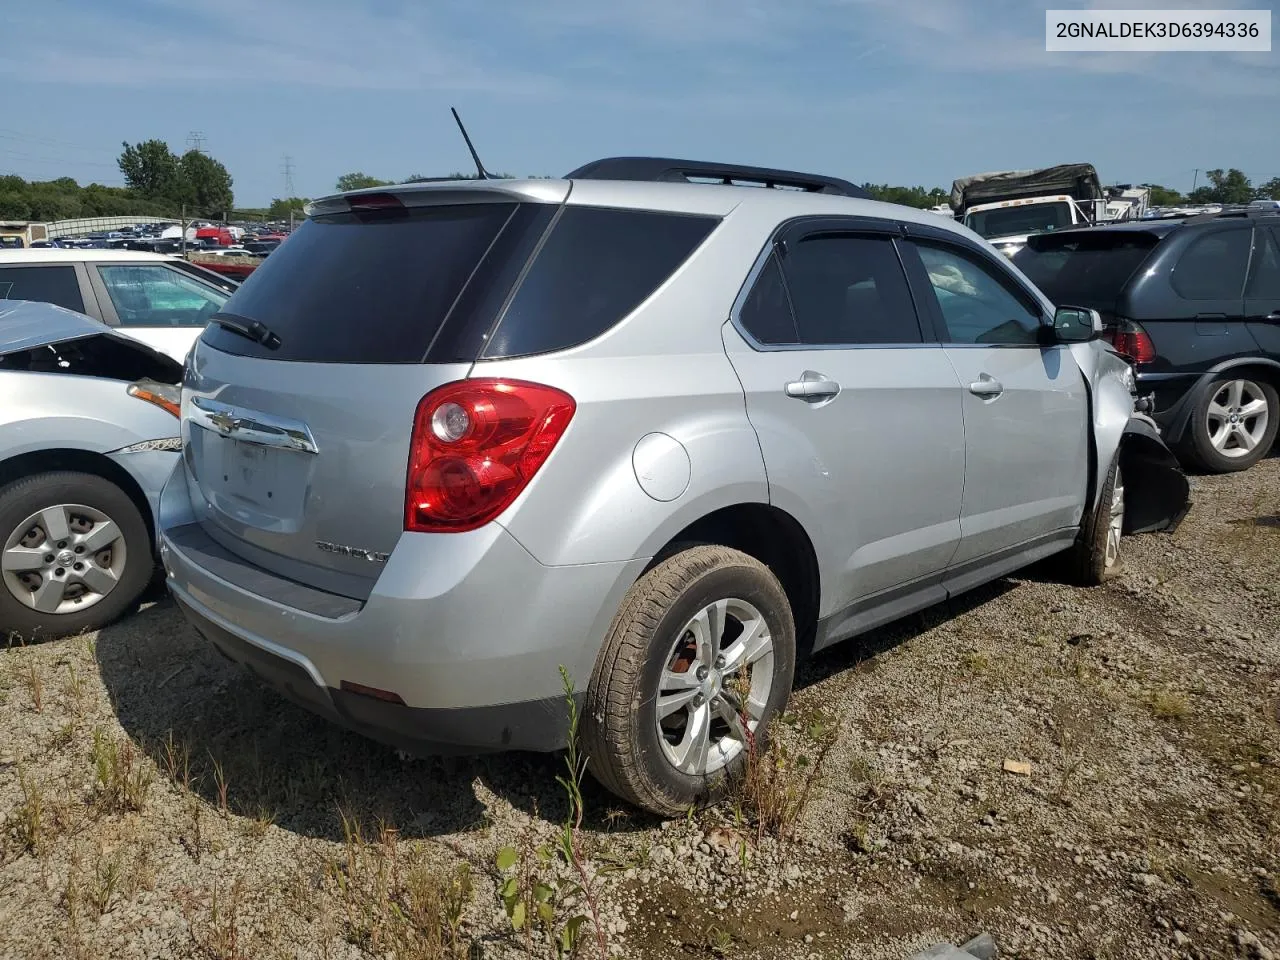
[[1269, 190], [150, 168], [1163, 196], [359, 180], [206, 184], [1229, 187], [281, 208], [907, 196]]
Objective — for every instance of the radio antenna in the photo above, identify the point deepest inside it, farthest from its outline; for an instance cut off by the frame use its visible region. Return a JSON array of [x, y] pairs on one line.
[[482, 173]]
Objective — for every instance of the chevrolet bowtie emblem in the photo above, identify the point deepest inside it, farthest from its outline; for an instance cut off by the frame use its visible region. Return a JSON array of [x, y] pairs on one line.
[[225, 422]]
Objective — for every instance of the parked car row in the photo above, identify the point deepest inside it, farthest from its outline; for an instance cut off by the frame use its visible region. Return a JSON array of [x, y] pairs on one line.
[[161, 300], [694, 431]]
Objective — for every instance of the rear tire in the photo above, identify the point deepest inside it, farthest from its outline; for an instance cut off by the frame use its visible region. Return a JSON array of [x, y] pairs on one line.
[[1096, 556], [1218, 444], [75, 554], [705, 603]]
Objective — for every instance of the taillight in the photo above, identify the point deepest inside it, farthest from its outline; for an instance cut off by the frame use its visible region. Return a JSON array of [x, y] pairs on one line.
[[369, 202], [476, 444], [1131, 341], [166, 396]]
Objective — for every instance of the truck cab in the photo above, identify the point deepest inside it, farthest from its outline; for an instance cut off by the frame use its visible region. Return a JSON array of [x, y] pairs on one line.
[[1008, 223]]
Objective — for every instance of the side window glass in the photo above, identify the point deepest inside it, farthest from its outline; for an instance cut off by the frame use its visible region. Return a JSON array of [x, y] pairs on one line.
[[1265, 281], [1213, 266], [152, 295], [766, 313], [57, 285], [849, 290], [977, 306]]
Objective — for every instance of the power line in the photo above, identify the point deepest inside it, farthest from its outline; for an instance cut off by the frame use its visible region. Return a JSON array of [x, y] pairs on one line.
[[196, 141]]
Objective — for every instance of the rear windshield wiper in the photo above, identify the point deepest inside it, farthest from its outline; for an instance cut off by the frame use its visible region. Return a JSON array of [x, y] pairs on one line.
[[254, 330]]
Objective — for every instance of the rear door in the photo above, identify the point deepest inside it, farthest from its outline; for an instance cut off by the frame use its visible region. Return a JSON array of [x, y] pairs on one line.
[[1262, 294], [164, 307], [857, 412], [1026, 412]]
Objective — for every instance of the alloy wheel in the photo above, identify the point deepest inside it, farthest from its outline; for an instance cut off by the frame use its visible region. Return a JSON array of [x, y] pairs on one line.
[[1237, 417], [714, 687], [1115, 523]]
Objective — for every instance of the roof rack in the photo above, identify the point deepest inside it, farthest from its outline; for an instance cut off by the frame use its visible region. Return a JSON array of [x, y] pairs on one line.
[[668, 170]]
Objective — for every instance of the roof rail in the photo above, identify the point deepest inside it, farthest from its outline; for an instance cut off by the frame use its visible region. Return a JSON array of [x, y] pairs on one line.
[[1245, 211], [668, 170]]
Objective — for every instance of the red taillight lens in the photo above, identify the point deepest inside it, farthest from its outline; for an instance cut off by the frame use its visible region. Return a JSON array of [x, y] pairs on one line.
[[476, 444], [1131, 341]]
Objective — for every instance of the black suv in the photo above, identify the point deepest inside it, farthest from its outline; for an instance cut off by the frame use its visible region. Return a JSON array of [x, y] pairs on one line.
[[1195, 305]]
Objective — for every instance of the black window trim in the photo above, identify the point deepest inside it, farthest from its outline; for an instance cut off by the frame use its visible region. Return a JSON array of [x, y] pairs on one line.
[[919, 274], [798, 228]]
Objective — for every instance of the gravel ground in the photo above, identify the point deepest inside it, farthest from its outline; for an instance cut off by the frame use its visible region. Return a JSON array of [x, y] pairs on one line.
[[1083, 773]]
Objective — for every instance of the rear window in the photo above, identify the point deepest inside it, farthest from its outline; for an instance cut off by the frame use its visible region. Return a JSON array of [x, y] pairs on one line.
[[363, 289], [56, 285], [595, 268], [1085, 269]]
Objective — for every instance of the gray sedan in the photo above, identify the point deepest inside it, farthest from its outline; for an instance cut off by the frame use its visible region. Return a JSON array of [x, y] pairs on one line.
[[88, 435]]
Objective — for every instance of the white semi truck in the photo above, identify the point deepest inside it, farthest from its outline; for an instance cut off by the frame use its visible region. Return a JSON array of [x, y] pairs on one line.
[[1007, 207]]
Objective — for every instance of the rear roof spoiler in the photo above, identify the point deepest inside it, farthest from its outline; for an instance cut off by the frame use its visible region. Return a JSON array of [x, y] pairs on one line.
[[669, 170]]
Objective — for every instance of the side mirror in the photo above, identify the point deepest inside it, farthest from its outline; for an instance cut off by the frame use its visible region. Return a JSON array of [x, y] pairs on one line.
[[1076, 324]]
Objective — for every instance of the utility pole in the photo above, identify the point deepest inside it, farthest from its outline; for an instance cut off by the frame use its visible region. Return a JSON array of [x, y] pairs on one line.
[[184, 231], [196, 141], [1194, 177]]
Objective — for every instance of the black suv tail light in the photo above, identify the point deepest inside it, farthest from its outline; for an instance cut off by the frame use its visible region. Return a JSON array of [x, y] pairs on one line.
[[1131, 341]]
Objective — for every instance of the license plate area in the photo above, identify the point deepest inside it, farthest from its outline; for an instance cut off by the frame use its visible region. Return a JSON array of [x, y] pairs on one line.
[[264, 486]]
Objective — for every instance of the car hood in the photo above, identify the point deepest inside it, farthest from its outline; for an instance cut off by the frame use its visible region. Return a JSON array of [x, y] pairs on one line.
[[26, 325]]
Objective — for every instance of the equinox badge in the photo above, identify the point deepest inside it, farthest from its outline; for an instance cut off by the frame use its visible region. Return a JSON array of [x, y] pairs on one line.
[[372, 556]]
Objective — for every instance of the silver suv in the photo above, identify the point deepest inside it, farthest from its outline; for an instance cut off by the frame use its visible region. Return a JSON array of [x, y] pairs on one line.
[[669, 435]]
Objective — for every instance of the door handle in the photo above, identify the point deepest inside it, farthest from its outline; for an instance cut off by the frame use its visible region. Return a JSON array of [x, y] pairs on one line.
[[812, 387], [986, 386]]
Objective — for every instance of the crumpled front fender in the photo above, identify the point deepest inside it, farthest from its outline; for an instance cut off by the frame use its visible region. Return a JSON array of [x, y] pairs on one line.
[[1157, 494]]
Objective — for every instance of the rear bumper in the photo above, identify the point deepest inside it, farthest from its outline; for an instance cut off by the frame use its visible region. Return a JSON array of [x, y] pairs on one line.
[[468, 630]]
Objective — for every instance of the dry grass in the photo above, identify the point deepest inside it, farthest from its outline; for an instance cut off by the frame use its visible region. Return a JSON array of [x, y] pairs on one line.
[[1169, 705], [122, 777], [777, 782], [396, 904]]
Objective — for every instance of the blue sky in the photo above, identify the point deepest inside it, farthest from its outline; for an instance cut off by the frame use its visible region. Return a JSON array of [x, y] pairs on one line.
[[899, 91]]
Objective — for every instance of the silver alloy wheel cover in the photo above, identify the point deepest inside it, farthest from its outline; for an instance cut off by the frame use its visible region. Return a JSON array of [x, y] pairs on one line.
[[49, 545], [1115, 522], [703, 690], [1236, 419]]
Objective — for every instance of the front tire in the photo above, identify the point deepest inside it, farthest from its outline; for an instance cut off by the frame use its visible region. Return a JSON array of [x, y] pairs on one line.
[[1096, 556], [75, 554], [1233, 424], [700, 658]]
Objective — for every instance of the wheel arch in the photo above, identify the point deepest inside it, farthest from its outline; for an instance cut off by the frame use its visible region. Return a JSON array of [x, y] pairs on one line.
[[1261, 367], [79, 461], [776, 539]]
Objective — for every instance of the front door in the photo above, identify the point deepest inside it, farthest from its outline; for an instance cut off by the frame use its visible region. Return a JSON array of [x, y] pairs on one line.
[[858, 415], [1026, 410]]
